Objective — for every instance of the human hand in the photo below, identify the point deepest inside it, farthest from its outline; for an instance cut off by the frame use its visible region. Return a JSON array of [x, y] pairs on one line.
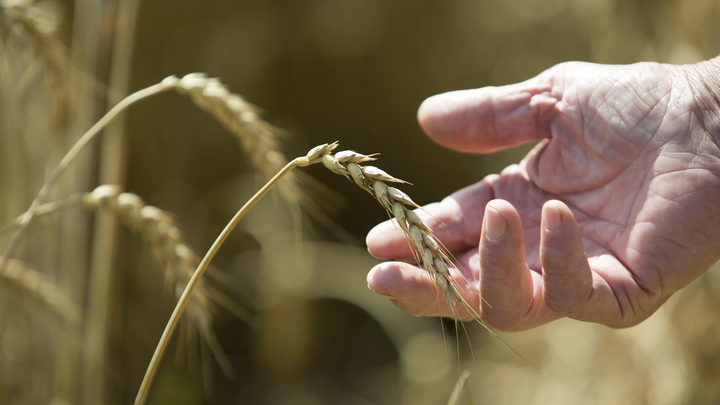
[[615, 209]]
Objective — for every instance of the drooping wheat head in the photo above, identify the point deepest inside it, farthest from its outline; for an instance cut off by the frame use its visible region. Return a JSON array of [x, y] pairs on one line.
[[177, 260], [426, 248], [260, 141], [34, 30], [44, 290]]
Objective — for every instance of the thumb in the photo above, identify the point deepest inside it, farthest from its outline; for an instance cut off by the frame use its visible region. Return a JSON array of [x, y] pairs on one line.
[[490, 118]]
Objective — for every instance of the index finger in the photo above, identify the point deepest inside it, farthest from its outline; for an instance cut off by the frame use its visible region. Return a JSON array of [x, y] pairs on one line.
[[490, 118]]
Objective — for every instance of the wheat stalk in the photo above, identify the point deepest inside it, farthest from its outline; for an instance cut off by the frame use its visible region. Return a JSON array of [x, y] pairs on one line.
[[112, 168], [460, 386], [45, 209], [196, 277], [369, 178], [314, 156]]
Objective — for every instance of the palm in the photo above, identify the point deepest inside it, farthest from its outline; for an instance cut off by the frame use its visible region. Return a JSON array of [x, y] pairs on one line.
[[623, 151], [619, 175]]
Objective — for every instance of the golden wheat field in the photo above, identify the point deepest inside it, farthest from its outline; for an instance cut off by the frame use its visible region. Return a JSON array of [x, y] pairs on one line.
[[283, 315]]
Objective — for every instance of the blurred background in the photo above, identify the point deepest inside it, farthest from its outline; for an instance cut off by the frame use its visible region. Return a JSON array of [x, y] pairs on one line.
[[80, 319]]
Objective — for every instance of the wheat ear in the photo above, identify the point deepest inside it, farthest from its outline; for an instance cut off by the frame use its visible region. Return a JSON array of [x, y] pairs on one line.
[[158, 230], [426, 248], [259, 140], [33, 29], [28, 24], [175, 258], [40, 287], [369, 178]]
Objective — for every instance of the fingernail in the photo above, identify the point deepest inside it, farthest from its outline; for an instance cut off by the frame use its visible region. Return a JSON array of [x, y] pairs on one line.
[[552, 218], [495, 226]]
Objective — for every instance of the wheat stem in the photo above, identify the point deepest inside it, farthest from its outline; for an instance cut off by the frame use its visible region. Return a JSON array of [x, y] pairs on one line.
[[163, 86], [175, 317], [458, 389], [104, 254]]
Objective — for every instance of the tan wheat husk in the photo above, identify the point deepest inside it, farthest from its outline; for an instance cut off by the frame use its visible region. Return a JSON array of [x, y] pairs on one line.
[[37, 285], [30, 26], [33, 29], [164, 238], [176, 259], [259, 140], [427, 249]]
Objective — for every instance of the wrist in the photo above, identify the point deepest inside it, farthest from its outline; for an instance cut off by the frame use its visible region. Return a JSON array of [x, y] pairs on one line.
[[704, 80]]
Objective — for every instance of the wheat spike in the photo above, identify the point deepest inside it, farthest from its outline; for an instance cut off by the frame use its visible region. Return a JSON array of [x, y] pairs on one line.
[[43, 289], [29, 24], [426, 248], [35, 31], [177, 260], [259, 140], [159, 232]]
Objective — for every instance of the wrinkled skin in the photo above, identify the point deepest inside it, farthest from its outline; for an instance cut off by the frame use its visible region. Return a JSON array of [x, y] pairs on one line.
[[617, 208]]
